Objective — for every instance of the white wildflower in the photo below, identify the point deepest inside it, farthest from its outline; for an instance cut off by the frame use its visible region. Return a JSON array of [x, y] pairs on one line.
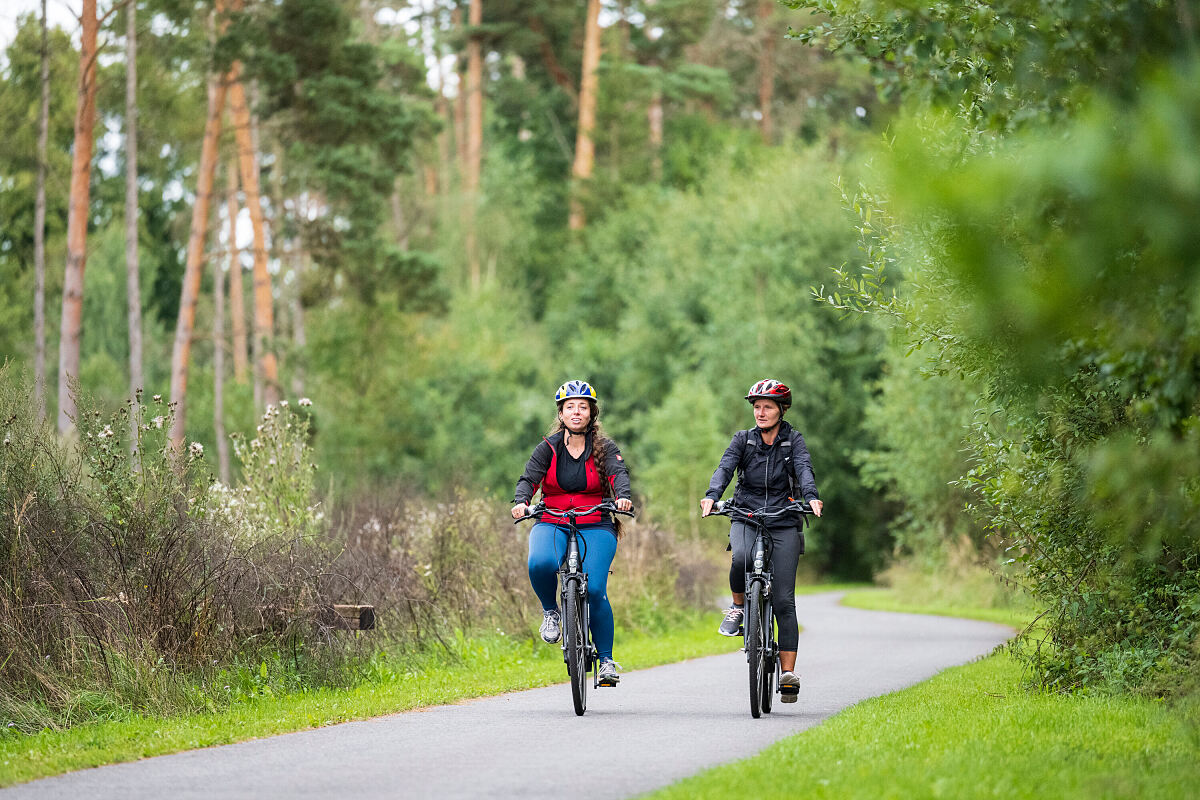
[[283, 404], [255, 444], [158, 421], [7, 439], [157, 398], [271, 461], [305, 402], [196, 449], [107, 432]]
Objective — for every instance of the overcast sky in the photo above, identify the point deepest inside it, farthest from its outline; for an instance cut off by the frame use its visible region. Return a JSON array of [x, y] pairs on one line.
[[61, 13]]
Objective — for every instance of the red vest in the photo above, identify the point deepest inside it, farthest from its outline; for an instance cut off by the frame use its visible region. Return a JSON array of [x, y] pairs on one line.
[[556, 498]]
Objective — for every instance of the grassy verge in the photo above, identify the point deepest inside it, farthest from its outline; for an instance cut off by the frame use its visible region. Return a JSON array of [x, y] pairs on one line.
[[974, 732], [484, 667], [890, 600]]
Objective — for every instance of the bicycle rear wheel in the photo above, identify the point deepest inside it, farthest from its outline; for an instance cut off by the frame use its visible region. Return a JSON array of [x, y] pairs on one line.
[[755, 649], [575, 647]]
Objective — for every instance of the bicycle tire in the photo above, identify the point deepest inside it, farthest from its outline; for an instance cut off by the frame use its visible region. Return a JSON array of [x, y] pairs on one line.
[[576, 645], [770, 660], [754, 646]]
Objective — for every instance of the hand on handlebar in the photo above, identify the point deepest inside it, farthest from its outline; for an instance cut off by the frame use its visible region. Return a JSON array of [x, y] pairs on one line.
[[706, 506], [624, 504], [816, 506], [520, 510]]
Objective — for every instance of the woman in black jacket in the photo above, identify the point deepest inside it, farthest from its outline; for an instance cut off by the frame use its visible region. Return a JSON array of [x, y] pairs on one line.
[[773, 466]]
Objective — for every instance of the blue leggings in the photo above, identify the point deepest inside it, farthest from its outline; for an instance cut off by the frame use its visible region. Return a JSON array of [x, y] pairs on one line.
[[597, 545]]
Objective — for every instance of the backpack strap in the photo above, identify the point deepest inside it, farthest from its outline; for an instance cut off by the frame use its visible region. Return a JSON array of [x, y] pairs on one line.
[[749, 444], [786, 445]]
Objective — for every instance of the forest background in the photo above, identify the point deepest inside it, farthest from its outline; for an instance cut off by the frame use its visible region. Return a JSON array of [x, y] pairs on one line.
[[964, 235]]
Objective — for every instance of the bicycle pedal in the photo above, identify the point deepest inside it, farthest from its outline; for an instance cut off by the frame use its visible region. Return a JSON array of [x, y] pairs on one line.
[[789, 690], [608, 682]]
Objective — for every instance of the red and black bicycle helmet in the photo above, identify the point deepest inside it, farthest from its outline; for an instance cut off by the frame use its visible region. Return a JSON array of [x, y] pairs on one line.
[[770, 389]]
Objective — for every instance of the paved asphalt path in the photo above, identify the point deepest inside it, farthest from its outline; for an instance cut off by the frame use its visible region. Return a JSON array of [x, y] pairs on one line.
[[658, 726]]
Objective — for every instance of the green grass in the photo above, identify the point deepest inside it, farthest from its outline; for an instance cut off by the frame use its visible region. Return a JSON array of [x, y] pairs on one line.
[[974, 732], [484, 667], [889, 600]]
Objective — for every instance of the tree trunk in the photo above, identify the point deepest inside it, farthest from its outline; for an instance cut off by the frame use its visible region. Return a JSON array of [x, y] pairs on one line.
[[440, 106], [77, 219], [237, 305], [266, 366], [766, 69], [39, 230], [133, 290], [299, 337], [474, 135], [654, 116], [460, 99], [219, 370], [181, 353], [584, 151]]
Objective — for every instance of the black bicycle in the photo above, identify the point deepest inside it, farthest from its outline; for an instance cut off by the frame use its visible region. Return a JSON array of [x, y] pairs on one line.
[[578, 650], [759, 626]]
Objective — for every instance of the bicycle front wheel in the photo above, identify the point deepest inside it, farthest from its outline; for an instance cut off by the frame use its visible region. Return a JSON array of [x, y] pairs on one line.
[[755, 646], [575, 643], [770, 658]]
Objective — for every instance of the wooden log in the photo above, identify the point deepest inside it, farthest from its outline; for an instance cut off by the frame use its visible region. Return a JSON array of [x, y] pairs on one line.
[[353, 617]]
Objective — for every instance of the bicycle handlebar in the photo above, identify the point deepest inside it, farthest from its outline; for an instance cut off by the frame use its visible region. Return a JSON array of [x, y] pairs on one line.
[[541, 508], [726, 508]]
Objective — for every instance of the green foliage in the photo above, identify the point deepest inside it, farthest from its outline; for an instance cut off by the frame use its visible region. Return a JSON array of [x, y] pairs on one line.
[[1061, 280], [918, 419], [276, 496], [1001, 65]]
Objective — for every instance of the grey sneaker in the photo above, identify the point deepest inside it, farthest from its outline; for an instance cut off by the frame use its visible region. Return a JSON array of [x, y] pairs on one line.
[[732, 624], [607, 674], [789, 687], [551, 629]]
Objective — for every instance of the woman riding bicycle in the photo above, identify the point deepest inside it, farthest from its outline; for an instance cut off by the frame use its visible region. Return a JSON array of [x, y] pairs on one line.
[[773, 466], [576, 466]]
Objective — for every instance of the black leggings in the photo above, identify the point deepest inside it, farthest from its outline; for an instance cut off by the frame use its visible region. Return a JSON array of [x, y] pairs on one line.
[[787, 545]]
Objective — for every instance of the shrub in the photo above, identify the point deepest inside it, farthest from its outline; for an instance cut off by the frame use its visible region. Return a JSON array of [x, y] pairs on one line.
[[118, 584]]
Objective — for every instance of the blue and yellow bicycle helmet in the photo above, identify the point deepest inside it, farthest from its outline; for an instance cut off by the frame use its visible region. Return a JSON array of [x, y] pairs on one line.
[[575, 389]]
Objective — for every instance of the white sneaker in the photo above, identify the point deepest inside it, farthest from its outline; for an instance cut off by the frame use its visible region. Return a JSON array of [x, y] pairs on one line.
[[789, 687], [551, 629], [607, 674]]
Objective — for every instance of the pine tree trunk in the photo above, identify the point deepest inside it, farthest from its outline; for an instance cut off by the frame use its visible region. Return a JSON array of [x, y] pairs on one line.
[[39, 229], [460, 100], [766, 69], [181, 352], [266, 366], [77, 219], [133, 290], [237, 305], [219, 371], [584, 150], [474, 136]]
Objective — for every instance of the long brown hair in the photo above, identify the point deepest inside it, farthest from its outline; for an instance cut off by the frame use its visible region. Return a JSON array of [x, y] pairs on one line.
[[600, 445]]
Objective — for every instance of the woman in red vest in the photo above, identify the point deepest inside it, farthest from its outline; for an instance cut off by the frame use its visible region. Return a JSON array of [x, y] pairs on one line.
[[575, 466]]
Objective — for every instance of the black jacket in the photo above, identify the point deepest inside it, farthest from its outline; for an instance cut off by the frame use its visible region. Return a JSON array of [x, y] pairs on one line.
[[763, 472]]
